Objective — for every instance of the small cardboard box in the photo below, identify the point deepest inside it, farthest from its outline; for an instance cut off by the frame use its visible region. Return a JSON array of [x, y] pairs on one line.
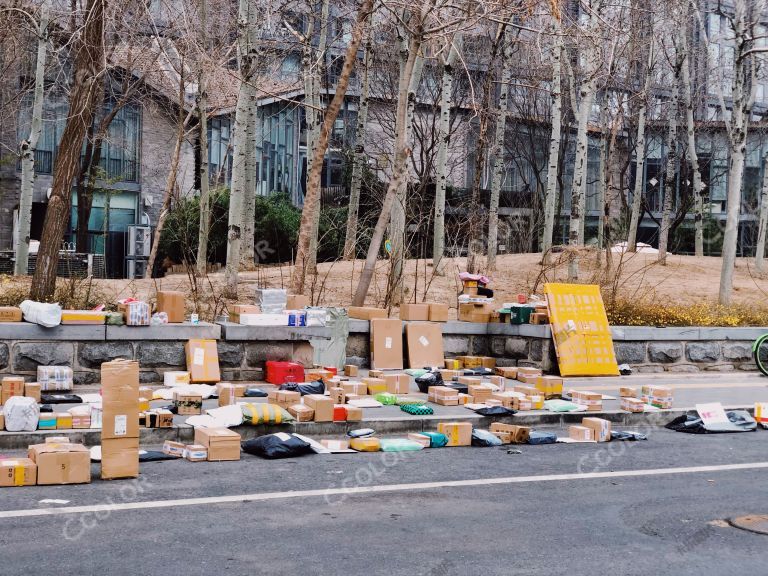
[[297, 302], [315, 374], [354, 413], [135, 313], [376, 374], [195, 453], [222, 443], [32, 390], [471, 361], [488, 362], [188, 404], [351, 370], [81, 421], [11, 386], [301, 412], [539, 318], [229, 393], [366, 313], [159, 418], [634, 405], [322, 405], [443, 395], [47, 421], [10, 314], [518, 434], [458, 433], [172, 303], [479, 312], [335, 445], [449, 375], [387, 344], [480, 392], [202, 361], [425, 345], [601, 428], [414, 312], [359, 388], [375, 385], [550, 386], [337, 395], [239, 309], [592, 400], [525, 389], [627, 392], [63, 421], [61, 463], [453, 364], [470, 380], [422, 439], [285, 398], [505, 437], [526, 371], [119, 458], [18, 472], [438, 312], [397, 383], [173, 448], [581, 433], [507, 371]]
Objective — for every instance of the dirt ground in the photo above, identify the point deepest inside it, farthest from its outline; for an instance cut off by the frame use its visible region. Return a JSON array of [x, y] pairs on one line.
[[684, 280]]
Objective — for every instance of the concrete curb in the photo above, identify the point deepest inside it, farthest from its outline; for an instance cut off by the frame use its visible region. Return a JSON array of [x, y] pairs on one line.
[[384, 426]]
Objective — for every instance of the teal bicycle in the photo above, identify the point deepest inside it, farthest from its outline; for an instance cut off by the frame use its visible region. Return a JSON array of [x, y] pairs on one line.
[[760, 352]]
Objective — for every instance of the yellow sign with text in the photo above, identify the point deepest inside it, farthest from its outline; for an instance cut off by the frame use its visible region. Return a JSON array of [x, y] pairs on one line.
[[580, 329]]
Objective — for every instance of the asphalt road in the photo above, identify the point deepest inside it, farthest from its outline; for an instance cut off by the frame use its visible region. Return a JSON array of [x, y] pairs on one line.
[[560, 509]]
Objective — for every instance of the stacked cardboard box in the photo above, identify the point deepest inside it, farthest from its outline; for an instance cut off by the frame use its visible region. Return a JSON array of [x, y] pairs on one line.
[[120, 425], [601, 428], [479, 312], [221, 443], [375, 385], [632, 404], [592, 400], [443, 395], [507, 372], [301, 412], [658, 396], [480, 392]]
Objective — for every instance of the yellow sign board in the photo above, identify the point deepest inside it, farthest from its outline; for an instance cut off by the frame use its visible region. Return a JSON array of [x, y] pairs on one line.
[[580, 329]]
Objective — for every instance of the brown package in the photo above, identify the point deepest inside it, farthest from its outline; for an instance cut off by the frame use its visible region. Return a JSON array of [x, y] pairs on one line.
[[10, 314], [297, 302], [438, 312], [322, 405], [458, 433], [11, 386], [398, 383], [119, 458], [172, 303], [238, 309], [418, 312], [17, 472], [62, 463], [366, 313], [301, 412], [202, 361], [222, 443], [387, 344], [425, 345], [120, 399]]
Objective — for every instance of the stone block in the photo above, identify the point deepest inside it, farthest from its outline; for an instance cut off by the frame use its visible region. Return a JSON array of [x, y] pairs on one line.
[[665, 352], [27, 356], [84, 378], [256, 353], [94, 354], [629, 352], [720, 368], [702, 351], [230, 354], [479, 346], [152, 354], [5, 356], [519, 348], [456, 345], [683, 368], [737, 351], [358, 345], [648, 369]]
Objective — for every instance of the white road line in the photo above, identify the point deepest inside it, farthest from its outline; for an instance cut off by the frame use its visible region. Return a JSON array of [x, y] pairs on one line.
[[372, 489]]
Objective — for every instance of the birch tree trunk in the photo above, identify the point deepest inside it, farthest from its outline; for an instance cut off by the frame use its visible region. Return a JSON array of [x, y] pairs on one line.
[[555, 139], [240, 150], [358, 162], [312, 199], [29, 146], [401, 153], [499, 148], [637, 191], [441, 168], [670, 171], [603, 174], [693, 157], [761, 233], [89, 56], [247, 251], [202, 112]]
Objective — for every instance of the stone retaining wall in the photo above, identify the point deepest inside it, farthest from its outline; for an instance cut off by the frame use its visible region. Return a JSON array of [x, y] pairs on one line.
[[675, 356]]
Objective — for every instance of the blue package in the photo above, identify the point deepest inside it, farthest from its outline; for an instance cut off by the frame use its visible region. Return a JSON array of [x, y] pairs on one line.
[[542, 438]]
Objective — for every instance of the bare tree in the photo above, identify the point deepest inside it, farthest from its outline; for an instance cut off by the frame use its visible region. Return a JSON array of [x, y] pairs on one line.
[[202, 118], [555, 139]]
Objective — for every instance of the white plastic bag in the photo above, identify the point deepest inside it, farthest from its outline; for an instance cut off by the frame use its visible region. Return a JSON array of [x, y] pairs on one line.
[[21, 414], [48, 315]]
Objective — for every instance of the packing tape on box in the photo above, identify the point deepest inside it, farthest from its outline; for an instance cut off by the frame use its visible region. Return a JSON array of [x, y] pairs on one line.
[[18, 475]]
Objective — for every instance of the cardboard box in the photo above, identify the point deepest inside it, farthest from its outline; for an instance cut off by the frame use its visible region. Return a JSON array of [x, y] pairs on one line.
[[449, 375], [536, 400], [10, 314], [81, 421], [173, 448], [61, 463], [63, 421], [367, 444], [422, 439], [2, 420], [425, 345], [195, 453], [322, 405], [538, 318], [443, 395], [229, 393], [338, 395], [366, 313], [188, 404], [203, 361], [301, 412], [627, 392], [354, 413], [414, 312], [387, 344], [172, 303], [47, 421], [11, 386], [632, 404], [351, 370], [17, 472], [159, 418], [471, 361], [55, 378], [508, 399], [375, 385], [525, 371], [600, 427], [438, 312], [453, 363], [488, 362], [458, 433], [335, 445], [475, 312], [507, 371], [464, 399], [82, 317], [222, 443], [239, 309], [120, 399], [315, 374], [592, 400], [581, 433], [480, 392], [119, 458], [376, 374], [526, 390], [285, 398], [297, 302], [135, 313], [550, 386], [505, 437], [359, 388], [32, 390], [398, 383]]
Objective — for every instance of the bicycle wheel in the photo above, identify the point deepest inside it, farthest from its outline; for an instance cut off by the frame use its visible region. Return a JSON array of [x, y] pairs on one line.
[[760, 352]]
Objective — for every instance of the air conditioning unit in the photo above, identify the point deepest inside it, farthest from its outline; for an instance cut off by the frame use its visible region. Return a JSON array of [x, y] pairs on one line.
[[135, 269], [139, 242]]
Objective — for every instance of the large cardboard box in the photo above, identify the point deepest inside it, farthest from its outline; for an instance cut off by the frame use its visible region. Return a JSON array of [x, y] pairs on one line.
[[387, 344], [475, 312], [120, 399], [366, 313], [417, 312], [10, 314], [238, 309], [119, 458], [322, 405], [600, 427], [438, 312], [18, 472], [458, 433], [203, 361], [11, 386], [222, 443], [172, 303], [61, 463], [425, 345]]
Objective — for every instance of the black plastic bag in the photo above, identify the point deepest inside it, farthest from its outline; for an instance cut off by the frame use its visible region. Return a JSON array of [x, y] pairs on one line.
[[251, 392], [316, 387], [538, 437], [460, 388], [478, 372], [739, 421], [280, 445], [60, 399], [625, 435], [495, 411], [433, 378], [155, 456], [483, 438]]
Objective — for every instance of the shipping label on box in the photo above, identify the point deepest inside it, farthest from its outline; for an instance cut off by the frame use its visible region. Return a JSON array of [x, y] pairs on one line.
[[173, 448]]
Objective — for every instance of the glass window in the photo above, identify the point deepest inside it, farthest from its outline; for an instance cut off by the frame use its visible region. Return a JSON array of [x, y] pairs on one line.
[[219, 151]]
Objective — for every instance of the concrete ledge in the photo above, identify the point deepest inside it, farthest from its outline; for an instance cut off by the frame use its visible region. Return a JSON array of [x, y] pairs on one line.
[[238, 332], [29, 331], [692, 333], [182, 331]]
